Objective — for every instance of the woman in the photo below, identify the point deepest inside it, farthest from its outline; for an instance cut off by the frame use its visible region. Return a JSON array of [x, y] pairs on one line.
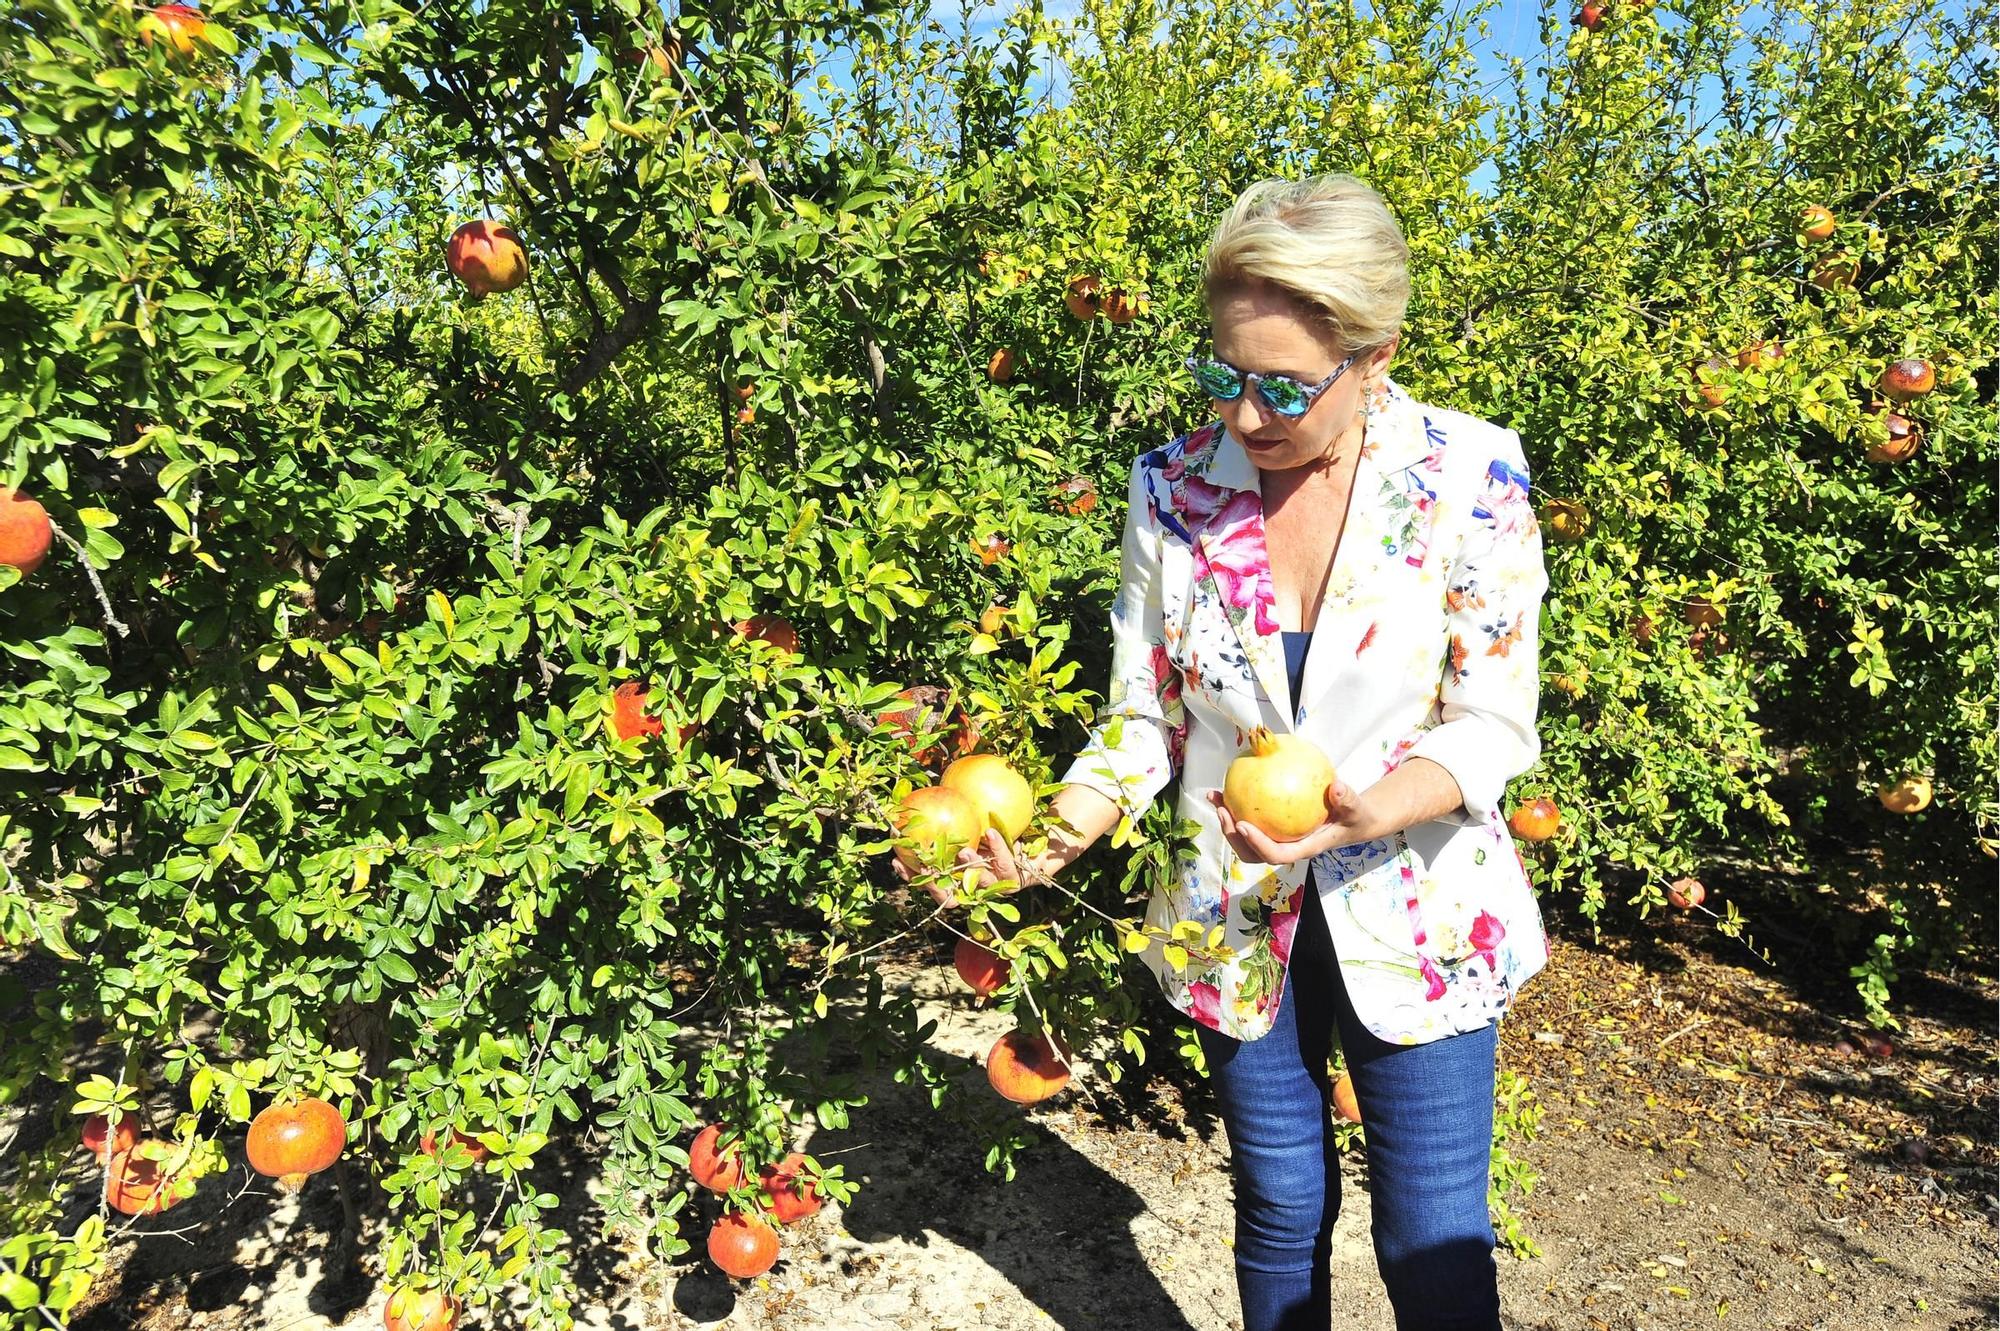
[[1332, 558]]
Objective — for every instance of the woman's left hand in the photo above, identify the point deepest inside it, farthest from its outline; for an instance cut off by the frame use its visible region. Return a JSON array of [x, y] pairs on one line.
[[1348, 821]]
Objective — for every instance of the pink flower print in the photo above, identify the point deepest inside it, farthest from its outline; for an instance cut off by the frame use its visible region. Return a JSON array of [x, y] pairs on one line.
[[1397, 754], [1487, 934], [1284, 925], [1166, 679], [1236, 558], [1430, 970], [1205, 1004]]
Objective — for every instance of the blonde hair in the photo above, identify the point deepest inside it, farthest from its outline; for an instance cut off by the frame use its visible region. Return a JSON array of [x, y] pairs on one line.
[[1329, 242]]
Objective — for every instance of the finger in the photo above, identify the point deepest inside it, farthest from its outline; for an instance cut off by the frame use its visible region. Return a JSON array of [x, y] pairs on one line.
[[1340, 798]]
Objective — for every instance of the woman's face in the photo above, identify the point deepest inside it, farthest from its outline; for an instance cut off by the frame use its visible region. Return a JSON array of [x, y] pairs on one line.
[[1259, 329]]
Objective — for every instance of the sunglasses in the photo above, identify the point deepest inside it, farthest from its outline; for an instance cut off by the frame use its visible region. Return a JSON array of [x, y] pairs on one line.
[[1287, 397]]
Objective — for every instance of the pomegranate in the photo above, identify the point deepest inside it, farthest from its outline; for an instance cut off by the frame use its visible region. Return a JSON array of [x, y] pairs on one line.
[[991, 549], [181, 26], [716, 1170], [1836, 273], [1536, 820], [1643, 625], [1590, 17], [1344, 1103], [487, 257], [1905, 438], [1568, 521], [790, 1192], [1076, 496], [1909, 794], [1002, 364], [743, 1246], [25, 532], [420, 1310], [772, 630], [935, 823], [1815, 223], [924, 712], [1760, 355], [1279, 786], [289, 1141], [472, 1145], [1908, 379], [1712, 394], [1702, 612], [1001, 795], [628, 712], [983, 970], [101, 1142], [1122, 307], [134, 1182], [1686, 893], [1025, 1067], [1081, 299]]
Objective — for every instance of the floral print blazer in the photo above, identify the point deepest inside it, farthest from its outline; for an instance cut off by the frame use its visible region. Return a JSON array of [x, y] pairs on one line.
[[1424, 646]]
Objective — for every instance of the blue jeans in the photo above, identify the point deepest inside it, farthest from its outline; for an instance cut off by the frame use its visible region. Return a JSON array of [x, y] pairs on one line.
[[1427, 1112]]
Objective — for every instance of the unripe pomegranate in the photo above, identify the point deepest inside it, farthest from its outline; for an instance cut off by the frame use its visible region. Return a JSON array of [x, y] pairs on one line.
[[1815, 223], [984, 971], [1002, 796], [1536, 820], [718, 1171], [1001, 366], [25, 532], [1025, 1067], [1279, 786], [790, 1193], [420, 1310], [742, 1245], [290, 1141], [101, 1142], [935, 823], [487, 257], [1344, 1102]]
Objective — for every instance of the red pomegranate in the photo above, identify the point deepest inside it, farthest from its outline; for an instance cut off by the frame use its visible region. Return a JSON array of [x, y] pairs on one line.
[[99, 1140], [289, 1141], [136, 1185], [790, 1192], [420, 1310], [1025, 1067], [487, 257], [628, 711], [983, 970], [718, 1171], [742, 1245], [25, 532], [472, 1145]]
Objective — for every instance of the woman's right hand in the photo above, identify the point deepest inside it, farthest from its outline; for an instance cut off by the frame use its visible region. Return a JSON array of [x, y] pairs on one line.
[[993, 857]]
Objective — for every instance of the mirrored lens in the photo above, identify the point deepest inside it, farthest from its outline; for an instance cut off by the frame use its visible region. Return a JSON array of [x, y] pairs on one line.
[[1286, 397], [1218, 381]]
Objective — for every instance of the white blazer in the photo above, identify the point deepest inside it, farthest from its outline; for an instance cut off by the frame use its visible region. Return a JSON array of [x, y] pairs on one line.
[[1424, 645]]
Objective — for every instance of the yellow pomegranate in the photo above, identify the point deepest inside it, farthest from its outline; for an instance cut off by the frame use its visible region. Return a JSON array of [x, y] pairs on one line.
[[1911, 794], [935, 824], [1279, 786], [1002, 795]]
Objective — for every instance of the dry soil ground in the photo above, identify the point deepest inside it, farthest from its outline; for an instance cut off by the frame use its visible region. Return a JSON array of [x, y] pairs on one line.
[[1706, 1158]]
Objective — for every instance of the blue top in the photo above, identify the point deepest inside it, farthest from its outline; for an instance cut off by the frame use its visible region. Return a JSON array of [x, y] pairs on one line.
[[1296, 643]]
